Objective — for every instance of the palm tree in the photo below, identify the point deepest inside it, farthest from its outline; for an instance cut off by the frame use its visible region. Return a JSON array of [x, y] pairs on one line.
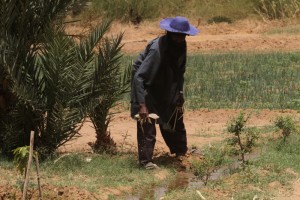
[[116, 84], [22, 28], [56, 81]]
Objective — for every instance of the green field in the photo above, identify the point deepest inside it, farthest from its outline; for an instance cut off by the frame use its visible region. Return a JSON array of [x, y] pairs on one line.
[[242, 80]]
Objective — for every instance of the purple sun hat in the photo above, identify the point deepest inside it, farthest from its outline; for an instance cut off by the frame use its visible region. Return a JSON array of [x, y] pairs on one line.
[[178, 25]]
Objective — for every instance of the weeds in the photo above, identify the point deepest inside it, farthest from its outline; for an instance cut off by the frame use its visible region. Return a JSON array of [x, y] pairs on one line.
[[133, 11], [213, 159], [219, 19], [123, 143], [121, 171], [286, 125], [243, 139], [21, 155]]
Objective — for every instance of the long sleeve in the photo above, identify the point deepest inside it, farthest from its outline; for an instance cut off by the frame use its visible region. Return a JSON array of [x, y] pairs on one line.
[[146, 74], [181, 77]]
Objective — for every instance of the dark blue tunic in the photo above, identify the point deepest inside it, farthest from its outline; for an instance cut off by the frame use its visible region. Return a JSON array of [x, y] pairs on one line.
[[157, 77]]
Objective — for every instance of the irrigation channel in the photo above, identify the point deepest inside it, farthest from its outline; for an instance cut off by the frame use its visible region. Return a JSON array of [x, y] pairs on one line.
[[187, 180]]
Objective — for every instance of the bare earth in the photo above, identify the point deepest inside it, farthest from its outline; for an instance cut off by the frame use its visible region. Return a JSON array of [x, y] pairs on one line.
[[203, 126]]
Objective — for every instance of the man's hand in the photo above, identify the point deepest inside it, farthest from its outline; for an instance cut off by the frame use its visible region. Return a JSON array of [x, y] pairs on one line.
[[143, 111], [180, 99]]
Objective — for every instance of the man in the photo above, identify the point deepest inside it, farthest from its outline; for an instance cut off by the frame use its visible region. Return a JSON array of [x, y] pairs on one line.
[[157, 87]]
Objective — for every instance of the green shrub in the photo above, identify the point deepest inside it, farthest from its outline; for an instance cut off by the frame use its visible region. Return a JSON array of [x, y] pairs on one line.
[[243, 138], [286, 125], [219, 19], [214, 157], [127, 11], [56, 81]]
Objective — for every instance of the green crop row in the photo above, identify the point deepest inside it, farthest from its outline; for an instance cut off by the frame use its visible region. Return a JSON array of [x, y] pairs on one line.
[[243, 80], [237, 80]]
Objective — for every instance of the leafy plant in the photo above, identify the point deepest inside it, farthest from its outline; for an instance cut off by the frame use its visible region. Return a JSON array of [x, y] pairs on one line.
[[213, 158], [286, 125], [219, 19], [116, 85], [55, 80], [243, 139], [21, 155], [22, 31]]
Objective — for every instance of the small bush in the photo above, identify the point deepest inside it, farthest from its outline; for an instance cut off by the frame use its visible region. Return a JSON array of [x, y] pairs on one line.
[[213, 158], [243, 138], [286, 125], [219, 19], [133, 11]]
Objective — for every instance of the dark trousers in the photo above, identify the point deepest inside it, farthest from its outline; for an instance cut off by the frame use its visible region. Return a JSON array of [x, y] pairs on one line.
[[174, 135]]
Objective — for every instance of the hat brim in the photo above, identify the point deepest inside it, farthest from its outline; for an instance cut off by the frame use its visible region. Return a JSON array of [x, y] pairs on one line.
[[165, 25]]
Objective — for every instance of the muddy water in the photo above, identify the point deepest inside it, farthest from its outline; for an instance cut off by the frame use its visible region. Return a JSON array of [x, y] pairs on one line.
[[184, 180]]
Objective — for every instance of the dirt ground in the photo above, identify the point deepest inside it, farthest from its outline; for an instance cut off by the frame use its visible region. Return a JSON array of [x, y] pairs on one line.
[[203, 126]]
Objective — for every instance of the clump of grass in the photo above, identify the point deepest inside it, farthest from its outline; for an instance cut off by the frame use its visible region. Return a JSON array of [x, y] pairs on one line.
[[243, 140], [286, 125], [213, 158], [91, 172], [133, 11], [219, 19]]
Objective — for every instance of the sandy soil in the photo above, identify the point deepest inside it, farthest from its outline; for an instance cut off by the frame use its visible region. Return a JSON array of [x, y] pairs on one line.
[[203, 126]]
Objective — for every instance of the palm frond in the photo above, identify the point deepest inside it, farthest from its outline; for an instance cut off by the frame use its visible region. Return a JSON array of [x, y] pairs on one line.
[[61, 69], [61, 125], [87, 56], [108, 60], [87, 45]]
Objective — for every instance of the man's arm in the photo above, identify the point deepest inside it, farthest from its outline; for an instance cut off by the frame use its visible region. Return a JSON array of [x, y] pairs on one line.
[[145, 76]]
